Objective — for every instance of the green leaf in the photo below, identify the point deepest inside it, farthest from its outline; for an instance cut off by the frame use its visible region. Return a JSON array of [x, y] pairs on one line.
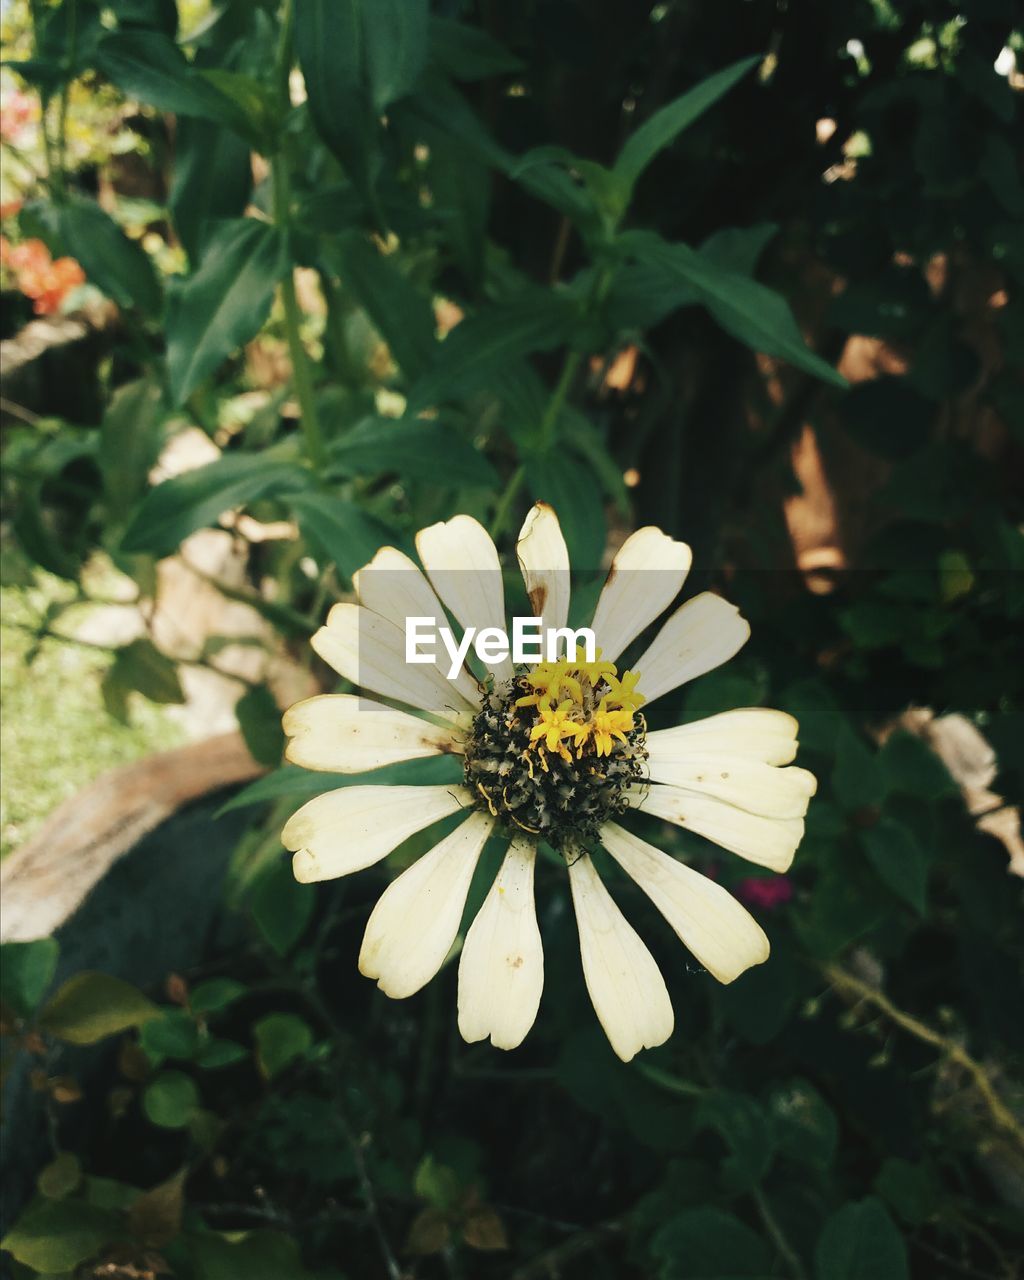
[[259, 718], [301, 784], [131, 436], [913, 1190], [91, 1006], [641, 294], [259, 1255], [120, 267], [281, 907], [806, 1128], [856, 776], [216, 1053], [149, 66], [468, 53], [142, 668], [861, 1242], [416, 448], [60, 1177], [899, 860], [55, 1236], [174, 1035], [395, 33], [534, 320], [195, 499], [171, 1100], [910, 767], [215, 994], [280, 1039], [329, 42], [751, 312], [668, 123], [26, 971], [224, 303], [745, 1129], [212, 181], [400, 311], [707, 1244], [346, 534]]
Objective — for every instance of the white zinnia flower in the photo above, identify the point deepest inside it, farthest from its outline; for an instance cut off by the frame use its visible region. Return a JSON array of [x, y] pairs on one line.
[[556, 752]]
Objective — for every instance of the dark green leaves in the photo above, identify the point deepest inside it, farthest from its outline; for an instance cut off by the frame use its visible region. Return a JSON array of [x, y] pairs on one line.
[[400, 311], [861, 1242], [756, 315], [140, 667], [118, 266], [708, 1244], [667, 123], [224, 303], [395, 32], [280, 1039], [212, 181], [357, 58], [194, 499], [26, 971], [339, 532], [281, 907], [54, 1236], [899, 860], [533, 320], [414, 448], [149, 66]]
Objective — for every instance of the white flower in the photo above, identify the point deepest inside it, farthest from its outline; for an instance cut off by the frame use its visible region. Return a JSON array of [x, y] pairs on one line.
[[555, 752]]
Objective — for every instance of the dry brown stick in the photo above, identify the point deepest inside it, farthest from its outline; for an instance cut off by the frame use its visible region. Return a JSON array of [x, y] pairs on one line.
[[1002, 1116]]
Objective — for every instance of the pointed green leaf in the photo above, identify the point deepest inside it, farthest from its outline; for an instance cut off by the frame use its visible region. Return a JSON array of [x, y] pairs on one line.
[[120, 267], [224, 303], [668, 123], [755, 314], [195, 499]]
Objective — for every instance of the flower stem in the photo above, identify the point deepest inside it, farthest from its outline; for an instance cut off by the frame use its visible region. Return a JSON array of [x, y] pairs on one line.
[[504, 508], [302, 375]]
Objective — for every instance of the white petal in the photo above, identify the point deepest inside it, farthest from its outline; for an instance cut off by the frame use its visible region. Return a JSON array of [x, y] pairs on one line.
[[347, 734], [544, 560], [624, 982], [756, 732], [501, 970], [647, 574], [708, 920], [394, 586], [369, 650], [699, 636], [462, 563], [352, 828], [416, 920], [748, 784], [770, 842]]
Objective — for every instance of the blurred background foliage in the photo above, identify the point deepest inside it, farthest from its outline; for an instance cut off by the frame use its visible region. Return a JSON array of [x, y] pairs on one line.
[[285, 282]]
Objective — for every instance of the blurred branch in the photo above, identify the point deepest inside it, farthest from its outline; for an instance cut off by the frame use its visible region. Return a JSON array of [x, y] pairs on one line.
[[546, 1264], [846, 984]]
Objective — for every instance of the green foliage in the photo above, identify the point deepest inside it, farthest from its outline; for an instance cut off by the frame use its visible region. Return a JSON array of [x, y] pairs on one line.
[[602, 257]]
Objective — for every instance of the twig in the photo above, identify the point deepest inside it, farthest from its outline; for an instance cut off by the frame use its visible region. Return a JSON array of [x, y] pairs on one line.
[[545, 1266], [1001, 1115], [778, 1237]]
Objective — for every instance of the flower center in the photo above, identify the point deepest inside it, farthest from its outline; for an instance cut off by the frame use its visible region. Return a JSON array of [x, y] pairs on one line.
[[554, 749]]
